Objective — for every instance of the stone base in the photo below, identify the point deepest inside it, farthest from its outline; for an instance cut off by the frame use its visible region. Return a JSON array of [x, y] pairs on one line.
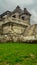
[[17, 38]]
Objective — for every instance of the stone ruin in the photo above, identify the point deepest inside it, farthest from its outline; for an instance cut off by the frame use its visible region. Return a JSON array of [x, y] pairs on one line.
[[15, 26]]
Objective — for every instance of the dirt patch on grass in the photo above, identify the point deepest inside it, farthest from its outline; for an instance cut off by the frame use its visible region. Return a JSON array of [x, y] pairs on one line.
[[4, 63], [18, 64]]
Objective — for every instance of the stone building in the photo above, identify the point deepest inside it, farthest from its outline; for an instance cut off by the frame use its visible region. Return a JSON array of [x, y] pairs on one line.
[[13, 24]]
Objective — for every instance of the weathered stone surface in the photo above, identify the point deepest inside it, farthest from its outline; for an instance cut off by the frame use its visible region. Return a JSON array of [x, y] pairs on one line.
[[15, 27], [26, 35]]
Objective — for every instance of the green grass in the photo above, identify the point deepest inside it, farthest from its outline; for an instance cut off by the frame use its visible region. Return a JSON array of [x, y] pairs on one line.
[[18, 54]]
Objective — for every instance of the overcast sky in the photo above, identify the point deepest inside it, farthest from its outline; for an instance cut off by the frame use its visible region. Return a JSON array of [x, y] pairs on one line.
[[31, 5]]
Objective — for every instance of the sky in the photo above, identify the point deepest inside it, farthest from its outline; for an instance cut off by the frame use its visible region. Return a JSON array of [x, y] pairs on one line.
[[31, 6]]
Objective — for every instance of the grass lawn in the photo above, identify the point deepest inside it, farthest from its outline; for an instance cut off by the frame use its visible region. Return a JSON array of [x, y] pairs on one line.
[[18, 54]]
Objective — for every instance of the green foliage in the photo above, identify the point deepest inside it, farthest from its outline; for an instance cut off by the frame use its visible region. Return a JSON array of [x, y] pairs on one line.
[[14, 53]]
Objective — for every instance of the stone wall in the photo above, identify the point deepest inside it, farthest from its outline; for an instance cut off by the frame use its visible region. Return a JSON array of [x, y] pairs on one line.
[[16, 29], [17, 38]]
